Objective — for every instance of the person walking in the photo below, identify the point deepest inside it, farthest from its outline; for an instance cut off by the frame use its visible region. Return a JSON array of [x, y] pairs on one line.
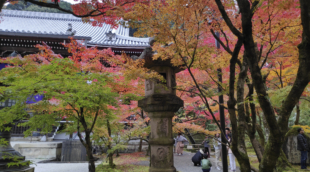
[[180, 144], [206, 164], [232, 162], [206, 146], [217, 147], [302, 146]]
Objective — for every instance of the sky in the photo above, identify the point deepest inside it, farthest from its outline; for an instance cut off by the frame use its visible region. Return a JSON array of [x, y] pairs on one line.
[[71, 1]]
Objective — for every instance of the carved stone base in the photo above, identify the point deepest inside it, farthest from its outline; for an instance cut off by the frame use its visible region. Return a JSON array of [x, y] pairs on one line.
[[161, 103]]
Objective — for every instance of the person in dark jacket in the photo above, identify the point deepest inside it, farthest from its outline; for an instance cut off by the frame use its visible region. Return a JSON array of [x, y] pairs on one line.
[[302, 146], [198, 157], [206, 145]]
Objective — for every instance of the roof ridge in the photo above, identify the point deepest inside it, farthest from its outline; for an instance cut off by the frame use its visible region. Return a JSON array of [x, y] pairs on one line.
[[40, 15], [133, 38]]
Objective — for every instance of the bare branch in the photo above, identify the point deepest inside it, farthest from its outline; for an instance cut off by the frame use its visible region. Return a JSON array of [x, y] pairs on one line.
[[221, 42], [233, 29]]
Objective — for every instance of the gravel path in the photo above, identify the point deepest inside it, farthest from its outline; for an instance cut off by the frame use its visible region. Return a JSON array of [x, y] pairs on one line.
[[182, 164]]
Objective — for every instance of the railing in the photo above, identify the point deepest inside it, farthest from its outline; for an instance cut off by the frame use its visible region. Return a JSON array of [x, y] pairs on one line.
[[18, 131], [195, 146]]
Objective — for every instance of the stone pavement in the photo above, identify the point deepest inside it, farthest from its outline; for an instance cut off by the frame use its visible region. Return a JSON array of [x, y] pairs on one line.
[[184, 163], [60, 167]]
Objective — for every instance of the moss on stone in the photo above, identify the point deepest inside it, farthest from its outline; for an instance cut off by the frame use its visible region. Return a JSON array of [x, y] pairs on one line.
[[293, 131]]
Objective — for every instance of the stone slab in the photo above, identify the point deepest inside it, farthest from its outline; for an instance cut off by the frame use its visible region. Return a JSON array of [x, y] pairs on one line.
[[290, 149], [41, 150]]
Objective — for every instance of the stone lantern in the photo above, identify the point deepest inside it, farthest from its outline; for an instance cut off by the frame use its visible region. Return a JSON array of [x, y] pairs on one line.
[[6, 151], [161, 103]]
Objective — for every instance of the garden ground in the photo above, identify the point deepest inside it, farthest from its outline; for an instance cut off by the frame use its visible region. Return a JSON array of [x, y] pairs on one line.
[[135, 162]]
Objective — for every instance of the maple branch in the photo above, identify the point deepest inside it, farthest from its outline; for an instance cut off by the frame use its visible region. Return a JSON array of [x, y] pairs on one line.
[[215, 81], [77, 112], [225, 36], [94, 122], [233, 29], [199, 96], [79, 133], [92, 13], [204, 99], [195, 49], [221, 42], [219, 103], [305, 99], [260, 52], [272, 44], [281, 74], [82, 119], [254, 4], [275, 85]]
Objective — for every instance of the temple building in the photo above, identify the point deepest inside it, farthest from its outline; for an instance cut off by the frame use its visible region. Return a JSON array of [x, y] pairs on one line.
[[20, 31]]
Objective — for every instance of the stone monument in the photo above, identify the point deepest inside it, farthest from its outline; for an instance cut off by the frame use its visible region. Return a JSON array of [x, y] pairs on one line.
[[161, 103], [290, 149]]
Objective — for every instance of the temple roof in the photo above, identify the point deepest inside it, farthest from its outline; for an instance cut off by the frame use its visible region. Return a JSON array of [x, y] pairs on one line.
[[56, 24]]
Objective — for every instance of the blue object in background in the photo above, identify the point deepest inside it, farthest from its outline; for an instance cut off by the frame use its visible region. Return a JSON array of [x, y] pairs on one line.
[[2, 65], [31, 99], [34, 99]]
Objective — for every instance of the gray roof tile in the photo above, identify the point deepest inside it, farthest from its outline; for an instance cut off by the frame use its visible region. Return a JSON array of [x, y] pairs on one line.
[[57, 24]]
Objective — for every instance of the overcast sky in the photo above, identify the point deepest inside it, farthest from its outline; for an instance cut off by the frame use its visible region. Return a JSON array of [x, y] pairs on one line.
[[71, 1]]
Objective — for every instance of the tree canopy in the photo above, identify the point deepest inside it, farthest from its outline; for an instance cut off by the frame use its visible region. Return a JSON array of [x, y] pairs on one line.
[[28, 6]]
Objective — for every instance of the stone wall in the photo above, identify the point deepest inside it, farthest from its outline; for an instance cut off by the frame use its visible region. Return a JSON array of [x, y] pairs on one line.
[[53, 150], [291, 152], [40, 150], [133, 146]]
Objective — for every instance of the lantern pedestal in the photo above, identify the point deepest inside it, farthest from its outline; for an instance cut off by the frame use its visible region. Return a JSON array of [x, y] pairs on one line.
[[7, 153]]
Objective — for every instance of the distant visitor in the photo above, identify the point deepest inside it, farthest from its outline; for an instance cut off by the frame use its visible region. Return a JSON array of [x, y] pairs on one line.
[[302, 146], [180, 140]]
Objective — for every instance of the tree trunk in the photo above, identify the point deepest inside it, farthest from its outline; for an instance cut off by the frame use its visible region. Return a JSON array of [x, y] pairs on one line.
[[91, 160], [297, 114], [2, 2], [242, 155], [260, 132], [266, 128], [259, 150], [111, 164], [87, 142], [282, 162], [88, 146], [252, 126], [140, 146], [117, 153], [148, 150], [277, 124]]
